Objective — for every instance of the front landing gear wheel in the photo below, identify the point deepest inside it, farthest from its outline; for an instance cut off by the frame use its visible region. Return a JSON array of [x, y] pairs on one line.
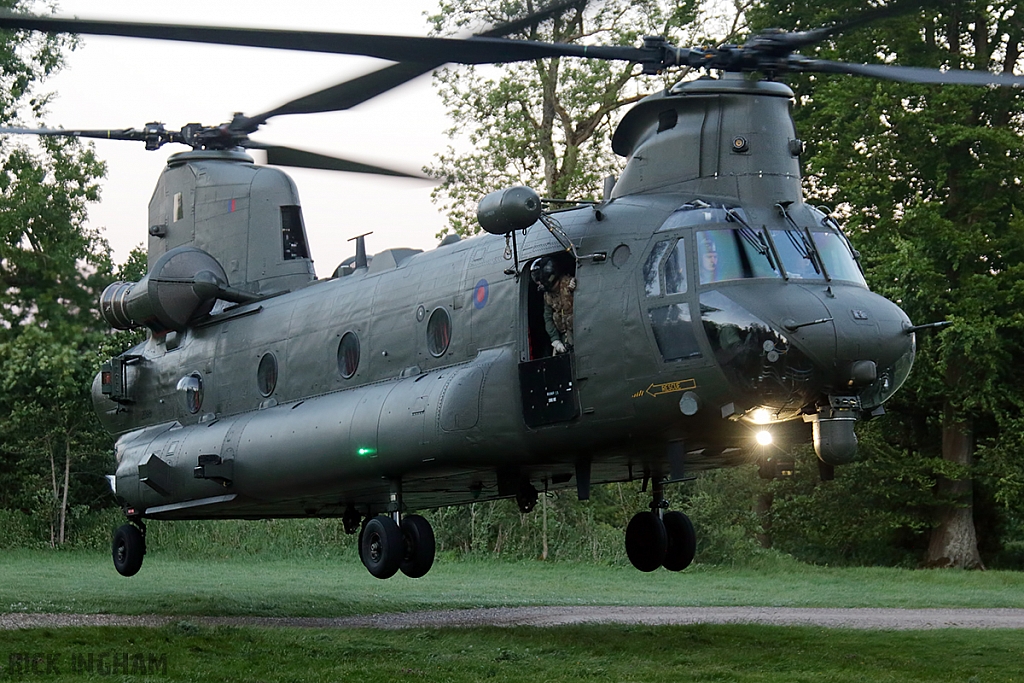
[[419, 546], [381, 547], [682, 541], [646, 541], [129, 547]]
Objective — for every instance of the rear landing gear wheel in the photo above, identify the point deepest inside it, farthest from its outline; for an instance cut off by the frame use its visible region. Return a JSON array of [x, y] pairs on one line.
[[129, 548], [381, 547], [646, 541], [419, 546], [682, 541]]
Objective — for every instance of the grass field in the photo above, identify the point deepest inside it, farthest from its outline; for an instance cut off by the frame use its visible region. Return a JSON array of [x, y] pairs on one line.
[[186, 652], [46, 581]]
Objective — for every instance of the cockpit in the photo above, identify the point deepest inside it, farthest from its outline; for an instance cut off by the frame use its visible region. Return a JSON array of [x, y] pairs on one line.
[[730, 248], [779, 346]]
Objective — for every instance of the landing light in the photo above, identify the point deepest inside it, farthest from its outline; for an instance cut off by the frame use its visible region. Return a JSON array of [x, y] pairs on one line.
[[764, 438], [761, 416]]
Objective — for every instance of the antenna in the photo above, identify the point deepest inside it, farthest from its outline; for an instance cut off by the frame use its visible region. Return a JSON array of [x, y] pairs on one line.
[[361, 249]]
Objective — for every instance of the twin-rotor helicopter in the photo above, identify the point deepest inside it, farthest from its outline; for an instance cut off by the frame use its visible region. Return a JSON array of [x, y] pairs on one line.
[[713, 309]]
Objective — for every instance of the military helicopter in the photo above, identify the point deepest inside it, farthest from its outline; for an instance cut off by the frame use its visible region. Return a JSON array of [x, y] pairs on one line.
[[714, 310]]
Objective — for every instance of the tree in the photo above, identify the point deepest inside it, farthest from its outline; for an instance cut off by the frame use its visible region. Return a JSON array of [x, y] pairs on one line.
[[930, 180], [546, 123], [51, 272]]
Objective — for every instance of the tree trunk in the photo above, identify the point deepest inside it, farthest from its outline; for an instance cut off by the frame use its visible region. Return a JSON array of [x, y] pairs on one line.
[[763, 510], [544, 525], [56, 497], [64, 494], [954, 541]]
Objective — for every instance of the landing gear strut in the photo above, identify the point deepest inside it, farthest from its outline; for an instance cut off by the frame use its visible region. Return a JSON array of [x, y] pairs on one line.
[[129, 547], [660, 539]]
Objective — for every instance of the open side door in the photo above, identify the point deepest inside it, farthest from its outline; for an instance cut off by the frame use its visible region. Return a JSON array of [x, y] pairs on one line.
[[547, 381]]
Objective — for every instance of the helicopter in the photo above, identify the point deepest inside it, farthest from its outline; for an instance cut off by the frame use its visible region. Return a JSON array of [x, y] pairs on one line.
[[714, 312]]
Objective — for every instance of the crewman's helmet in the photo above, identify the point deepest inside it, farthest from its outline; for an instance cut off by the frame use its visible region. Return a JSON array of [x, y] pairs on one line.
[[545, 273]]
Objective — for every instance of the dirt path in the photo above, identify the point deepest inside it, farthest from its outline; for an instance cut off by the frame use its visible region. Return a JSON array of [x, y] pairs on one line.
[[861, 618]]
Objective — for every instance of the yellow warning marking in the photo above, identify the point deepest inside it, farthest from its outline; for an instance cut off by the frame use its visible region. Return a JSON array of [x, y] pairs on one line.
[[671, 387]]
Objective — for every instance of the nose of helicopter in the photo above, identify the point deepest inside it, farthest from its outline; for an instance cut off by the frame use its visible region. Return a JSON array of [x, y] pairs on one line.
[[808, 342], [868, 329]]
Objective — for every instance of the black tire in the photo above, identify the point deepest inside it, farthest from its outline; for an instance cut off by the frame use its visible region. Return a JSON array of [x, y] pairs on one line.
[[418, 539], [381, 547], [128, 549], [646, 541], [682, 541]]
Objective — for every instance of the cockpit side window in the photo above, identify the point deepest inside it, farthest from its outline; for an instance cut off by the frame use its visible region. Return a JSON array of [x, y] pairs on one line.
[[665, 277], [675, 269], [652, 268], [665, 269]]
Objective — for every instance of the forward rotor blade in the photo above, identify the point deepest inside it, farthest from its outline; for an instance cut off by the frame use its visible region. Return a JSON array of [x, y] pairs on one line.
[[907, 74], [785, 42], [476, 50], [298, 158]]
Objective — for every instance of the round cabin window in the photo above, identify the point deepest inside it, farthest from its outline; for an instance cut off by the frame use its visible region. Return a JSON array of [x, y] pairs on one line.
[[266, 374], [190, 387], [348, 355], [439, 332]]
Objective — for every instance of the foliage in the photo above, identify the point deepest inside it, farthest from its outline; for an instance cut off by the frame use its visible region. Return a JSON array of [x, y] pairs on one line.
[[929, 178], [546, 124], [52, 452], [721, 506]]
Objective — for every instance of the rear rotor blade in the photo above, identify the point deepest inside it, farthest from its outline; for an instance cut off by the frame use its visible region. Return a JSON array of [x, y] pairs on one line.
[[342, 96], [118, 134], [299, 158], [356, 91]]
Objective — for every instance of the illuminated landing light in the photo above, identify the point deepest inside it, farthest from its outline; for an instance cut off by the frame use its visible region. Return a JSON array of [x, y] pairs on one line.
[[764, 438], [761, 416]]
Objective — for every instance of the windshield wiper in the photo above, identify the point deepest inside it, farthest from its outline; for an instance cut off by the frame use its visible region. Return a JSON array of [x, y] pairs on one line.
[[751, 236], [808, 250]]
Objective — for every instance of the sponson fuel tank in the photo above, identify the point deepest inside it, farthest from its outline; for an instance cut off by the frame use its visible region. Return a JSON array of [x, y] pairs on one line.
[[321, 445]]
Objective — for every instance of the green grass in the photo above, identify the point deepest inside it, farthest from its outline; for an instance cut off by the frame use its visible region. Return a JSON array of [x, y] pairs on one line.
[[47, 581], [599, 653]]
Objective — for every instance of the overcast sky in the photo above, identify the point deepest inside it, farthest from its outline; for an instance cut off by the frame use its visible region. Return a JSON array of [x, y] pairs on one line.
[[124, 82]]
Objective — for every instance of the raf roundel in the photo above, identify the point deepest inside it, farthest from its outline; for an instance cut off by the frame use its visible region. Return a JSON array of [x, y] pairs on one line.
[[480, 294]]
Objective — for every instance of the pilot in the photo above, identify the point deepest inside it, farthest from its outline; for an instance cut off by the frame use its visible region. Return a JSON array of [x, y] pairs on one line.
[[558, 287], [708, 254]]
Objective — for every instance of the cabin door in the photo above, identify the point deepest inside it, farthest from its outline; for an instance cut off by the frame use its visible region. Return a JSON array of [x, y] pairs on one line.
[[547, 380]]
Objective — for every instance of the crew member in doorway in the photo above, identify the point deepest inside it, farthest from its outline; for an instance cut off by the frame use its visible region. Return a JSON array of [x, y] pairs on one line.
[[558, 286]]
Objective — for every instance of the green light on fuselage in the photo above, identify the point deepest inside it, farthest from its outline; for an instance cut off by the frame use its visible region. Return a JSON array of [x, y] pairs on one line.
[[365, 451]]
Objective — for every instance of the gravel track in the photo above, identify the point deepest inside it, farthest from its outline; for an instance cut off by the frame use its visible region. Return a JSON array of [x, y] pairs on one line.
[[859, 618]]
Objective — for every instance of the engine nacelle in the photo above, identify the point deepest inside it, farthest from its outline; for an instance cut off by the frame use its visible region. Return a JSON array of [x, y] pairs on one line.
[[183, 285], [514, 208]]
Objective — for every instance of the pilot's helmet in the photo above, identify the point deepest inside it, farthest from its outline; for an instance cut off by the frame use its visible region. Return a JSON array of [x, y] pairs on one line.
[[545, 273]]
